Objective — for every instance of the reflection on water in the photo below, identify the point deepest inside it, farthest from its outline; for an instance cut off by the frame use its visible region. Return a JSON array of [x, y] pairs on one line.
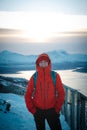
[[75, 80], [72, 79], [21, 74]]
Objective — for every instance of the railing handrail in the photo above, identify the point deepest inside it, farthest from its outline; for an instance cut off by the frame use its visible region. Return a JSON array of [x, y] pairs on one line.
[[83, 94]]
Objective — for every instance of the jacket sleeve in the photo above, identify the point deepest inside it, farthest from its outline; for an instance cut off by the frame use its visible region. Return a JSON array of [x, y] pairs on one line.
[[61, 94], [28, 97]]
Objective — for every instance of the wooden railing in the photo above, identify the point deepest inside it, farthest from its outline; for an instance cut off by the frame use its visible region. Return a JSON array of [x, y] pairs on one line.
[[75, 109]]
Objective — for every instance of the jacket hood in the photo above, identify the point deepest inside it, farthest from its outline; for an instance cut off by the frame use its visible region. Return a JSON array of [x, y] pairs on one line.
[[41, 57]]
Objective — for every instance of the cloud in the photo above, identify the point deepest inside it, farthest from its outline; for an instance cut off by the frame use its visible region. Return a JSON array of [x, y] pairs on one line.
[[72, 42], [13, 35]]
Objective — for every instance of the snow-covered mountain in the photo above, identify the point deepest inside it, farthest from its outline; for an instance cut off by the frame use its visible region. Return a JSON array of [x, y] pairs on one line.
[[11, 62], [63, 56], [7, 57]]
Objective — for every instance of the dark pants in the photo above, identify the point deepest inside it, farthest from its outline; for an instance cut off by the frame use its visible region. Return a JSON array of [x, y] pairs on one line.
[[51, 116]]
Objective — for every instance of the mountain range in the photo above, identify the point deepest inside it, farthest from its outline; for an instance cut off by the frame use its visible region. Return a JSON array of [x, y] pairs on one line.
[[60, 60], [8, 57]]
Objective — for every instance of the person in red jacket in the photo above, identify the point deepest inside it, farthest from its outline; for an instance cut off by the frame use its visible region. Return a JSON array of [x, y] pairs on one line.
[[44, 104]]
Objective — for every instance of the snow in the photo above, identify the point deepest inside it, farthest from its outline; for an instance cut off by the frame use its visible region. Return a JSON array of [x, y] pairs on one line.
[[18, 118], [7, 57], [14, 58]]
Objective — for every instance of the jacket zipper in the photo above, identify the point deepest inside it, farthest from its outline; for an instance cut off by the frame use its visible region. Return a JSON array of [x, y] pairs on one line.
[[47, 90], [41, 89], [44, 90]]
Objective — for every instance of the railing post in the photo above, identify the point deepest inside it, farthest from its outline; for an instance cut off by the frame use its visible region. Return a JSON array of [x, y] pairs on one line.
[[83, 123], [72, 122], [66, 105], [78, 111]]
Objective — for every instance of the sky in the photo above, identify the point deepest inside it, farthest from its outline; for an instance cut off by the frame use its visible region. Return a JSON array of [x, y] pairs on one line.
[[36, 26]]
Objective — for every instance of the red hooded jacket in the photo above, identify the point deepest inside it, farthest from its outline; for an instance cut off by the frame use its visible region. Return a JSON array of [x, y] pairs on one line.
[[44, 97]]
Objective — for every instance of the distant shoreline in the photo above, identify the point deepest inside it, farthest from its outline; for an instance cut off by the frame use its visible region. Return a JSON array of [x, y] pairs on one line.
[[15, 69], [81, 70]]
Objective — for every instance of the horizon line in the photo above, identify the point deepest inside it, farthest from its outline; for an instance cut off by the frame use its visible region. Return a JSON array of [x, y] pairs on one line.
[[62, 50]]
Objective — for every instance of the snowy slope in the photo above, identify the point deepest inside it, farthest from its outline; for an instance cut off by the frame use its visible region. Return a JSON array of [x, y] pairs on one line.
[[7, 57], [18, 118], [13, 85], [63, 56]]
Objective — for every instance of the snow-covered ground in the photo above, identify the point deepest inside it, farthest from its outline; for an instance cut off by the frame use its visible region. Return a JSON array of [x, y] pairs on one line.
[[18, 118]]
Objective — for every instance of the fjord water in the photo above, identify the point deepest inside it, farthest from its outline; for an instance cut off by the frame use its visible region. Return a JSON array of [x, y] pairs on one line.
[[70, 78]]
